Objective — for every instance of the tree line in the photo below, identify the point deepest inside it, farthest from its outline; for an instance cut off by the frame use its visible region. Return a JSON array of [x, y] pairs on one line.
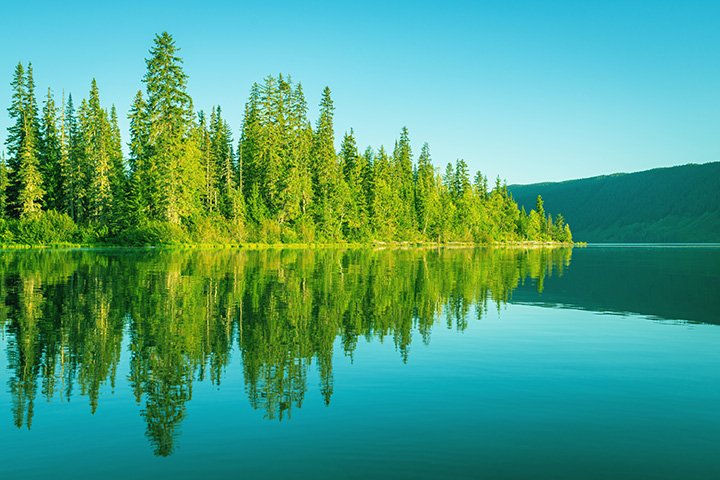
[[186, 179]]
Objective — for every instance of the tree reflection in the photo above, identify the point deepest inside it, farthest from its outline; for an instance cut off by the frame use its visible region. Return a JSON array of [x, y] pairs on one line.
[[183, 313]]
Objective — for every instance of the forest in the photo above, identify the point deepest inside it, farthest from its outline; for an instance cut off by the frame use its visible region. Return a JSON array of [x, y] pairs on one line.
[[186, 180], [663, 205]]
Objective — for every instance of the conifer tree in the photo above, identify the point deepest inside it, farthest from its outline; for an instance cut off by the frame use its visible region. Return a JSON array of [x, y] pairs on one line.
[[404, 183], [248, 143], [541, 213], [383, 201], [352, 166], [425, 189], [99, 164], [17, 112], [3, 187], [302, 137], [330, 188], [118, 172], [29, 178], [24, 178], [295, 186], [50, 153], [172, 161], [209, 195], [74, 176], [141, 178]]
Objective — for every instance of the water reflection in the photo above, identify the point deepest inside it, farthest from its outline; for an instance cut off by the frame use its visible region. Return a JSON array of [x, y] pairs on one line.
[[670, 282], [67, 314]]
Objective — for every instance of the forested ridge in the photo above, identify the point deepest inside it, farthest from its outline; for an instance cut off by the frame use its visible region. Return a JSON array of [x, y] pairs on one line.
[[676, 204], [186, 180]]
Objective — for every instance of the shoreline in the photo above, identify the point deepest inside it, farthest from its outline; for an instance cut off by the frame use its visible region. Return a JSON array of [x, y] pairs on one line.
[[376, 244]]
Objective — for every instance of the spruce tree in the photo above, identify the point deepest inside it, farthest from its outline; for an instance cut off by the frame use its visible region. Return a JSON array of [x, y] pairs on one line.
[[118, 171], [541, 213], [141, 177], [356, 225], [73, 175], [172, 160], [25, 188], [404, 183], [425, 190], [29, 178], [330, 188], [50, 153], [3, 187], [99, 163], [384, 197]]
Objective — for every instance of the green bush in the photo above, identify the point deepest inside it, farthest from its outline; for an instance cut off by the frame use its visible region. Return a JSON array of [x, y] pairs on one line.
[[153, 233], [44, 228], [6, 234]]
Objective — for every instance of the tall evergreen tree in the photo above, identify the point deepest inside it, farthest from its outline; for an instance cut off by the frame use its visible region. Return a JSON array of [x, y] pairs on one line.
[[74, 175], [356, 226], [24, 178], [425, 189], [141, 176], [541, 213], [50, 153], [3, 187], [29, 178], [330, 188], [172, 160], [118, 170], [403, 166], [99, 162], [384, 197]]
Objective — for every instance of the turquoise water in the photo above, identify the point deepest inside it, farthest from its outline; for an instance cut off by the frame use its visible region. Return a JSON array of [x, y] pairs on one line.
[[465, 363]]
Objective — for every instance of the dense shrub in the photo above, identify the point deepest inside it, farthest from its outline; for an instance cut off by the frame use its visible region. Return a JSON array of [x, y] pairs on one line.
[[45, 228]]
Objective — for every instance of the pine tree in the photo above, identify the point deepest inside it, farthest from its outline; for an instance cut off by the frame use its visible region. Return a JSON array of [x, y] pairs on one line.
[[25, 187], [403, 166], [425, 189], [74, 175], [330, 188], [99, 163], [17, 111], [541, 213], [29, 178], [141, 178], [384, 197], [50, 153], [352, 165], [295, 186], [302, 138], [118, 171], [3, 187], [248, 145], [172, 161]]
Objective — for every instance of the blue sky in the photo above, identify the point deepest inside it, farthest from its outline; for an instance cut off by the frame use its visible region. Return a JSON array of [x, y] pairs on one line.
[[530, 91]]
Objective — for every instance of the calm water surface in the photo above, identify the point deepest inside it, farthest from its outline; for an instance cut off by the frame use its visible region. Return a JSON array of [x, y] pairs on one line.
[[597, 362]]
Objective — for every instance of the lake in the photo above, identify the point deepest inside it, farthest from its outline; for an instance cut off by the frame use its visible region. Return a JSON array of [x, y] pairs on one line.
[[595, 362]]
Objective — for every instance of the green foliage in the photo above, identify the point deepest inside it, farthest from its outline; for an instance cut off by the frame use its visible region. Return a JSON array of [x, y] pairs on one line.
[[678, 204], [45, 228], [286, 182], [153, 232]]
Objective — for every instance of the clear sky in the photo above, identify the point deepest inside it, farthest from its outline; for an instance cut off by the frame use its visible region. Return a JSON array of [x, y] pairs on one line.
[[531, 91]]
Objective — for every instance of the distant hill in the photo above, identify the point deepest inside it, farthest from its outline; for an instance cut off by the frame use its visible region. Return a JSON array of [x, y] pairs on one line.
[[664, 205]]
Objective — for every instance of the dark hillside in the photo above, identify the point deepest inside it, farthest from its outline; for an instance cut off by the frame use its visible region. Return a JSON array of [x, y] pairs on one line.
[[677, 204]]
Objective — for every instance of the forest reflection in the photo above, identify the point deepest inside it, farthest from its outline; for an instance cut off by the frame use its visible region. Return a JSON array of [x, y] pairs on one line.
[[68, 314]]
